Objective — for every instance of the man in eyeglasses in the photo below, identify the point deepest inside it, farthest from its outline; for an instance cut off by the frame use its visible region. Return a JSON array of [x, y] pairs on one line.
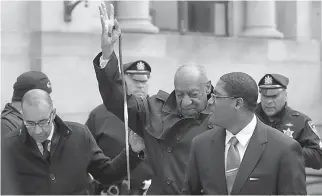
[[274, 111], [11, 118], [53, 157], [242, 156]]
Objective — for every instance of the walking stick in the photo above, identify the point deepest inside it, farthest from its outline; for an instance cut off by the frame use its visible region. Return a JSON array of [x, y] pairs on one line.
[[125, 117]]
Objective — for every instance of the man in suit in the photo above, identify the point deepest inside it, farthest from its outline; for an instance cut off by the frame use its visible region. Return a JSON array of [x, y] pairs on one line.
[[245, 156], [11, 119], [53, 157]]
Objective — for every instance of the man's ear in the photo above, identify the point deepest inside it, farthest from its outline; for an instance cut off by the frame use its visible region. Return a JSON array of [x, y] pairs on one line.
[[285, 96], [239, 103]]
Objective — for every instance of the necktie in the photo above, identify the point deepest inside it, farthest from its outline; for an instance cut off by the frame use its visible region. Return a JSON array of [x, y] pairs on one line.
[[233, 162], [46, 153]]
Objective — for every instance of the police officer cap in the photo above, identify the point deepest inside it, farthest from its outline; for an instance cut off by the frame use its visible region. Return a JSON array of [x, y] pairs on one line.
[[28, 81], [272, 84], [138, 70]]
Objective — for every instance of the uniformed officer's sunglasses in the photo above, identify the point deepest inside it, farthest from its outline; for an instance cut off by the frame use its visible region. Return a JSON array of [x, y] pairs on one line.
[[41, 124]]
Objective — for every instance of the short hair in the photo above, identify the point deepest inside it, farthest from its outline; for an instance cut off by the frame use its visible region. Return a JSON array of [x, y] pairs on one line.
[[192, 67], [239, 84]]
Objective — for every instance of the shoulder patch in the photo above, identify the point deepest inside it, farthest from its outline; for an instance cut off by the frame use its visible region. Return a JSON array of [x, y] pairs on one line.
[[312, 126], [162, 95]]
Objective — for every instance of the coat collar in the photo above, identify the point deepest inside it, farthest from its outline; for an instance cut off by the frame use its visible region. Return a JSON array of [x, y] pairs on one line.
[[60, 127], [170, 105]]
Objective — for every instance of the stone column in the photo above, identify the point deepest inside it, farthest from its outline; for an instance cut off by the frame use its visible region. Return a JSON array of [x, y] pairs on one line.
[[303, 20], [35, 45], [321, 33], [261, 20], [134, 17]]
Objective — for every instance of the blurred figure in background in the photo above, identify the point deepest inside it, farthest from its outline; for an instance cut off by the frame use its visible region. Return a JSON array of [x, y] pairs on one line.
[[108, 129], [274, 111]]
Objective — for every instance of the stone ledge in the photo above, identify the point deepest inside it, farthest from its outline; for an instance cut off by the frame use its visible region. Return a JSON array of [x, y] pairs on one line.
[[157, 45]]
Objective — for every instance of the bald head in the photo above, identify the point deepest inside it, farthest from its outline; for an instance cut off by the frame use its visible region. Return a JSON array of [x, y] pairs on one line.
[[37, 98], [190, 72], [38, 114]]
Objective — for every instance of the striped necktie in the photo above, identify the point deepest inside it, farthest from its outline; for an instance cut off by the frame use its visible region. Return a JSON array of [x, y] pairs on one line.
[[233, 162]]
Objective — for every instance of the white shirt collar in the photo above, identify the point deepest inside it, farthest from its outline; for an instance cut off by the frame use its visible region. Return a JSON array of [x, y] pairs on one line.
[[51, 133], [245, 134]]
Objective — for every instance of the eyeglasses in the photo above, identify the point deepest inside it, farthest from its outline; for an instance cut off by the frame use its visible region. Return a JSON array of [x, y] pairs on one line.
[[214, 96], [41, 124]]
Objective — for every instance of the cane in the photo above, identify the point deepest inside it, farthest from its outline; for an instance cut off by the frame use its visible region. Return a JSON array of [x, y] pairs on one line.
[[125, 116]]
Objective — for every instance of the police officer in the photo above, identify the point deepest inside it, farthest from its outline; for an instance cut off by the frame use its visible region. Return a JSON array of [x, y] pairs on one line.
[[11, 117], [274, 111], [108, 129]]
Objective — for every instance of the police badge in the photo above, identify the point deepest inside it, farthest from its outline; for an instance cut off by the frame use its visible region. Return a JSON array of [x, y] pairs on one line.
[[268, 80], [48, 85], [288, 132], [140, 66]]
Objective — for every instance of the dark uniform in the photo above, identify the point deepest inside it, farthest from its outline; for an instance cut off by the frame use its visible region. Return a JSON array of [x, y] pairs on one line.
[[291, 122], [73, 153], [167, 134], [11, 118], [108, 131]]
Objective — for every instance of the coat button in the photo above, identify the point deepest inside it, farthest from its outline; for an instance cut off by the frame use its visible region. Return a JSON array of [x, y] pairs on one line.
[[169, 181], [178, 137], [52, 177], [169, 149]]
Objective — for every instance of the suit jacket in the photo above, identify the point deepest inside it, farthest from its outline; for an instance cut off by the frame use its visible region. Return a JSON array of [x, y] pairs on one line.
[[273, 164]]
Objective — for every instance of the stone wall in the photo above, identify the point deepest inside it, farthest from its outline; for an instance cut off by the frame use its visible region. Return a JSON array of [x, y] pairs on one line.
[[67, 59]]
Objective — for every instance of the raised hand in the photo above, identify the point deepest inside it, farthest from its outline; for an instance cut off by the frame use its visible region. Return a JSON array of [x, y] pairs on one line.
[[110, 29]]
